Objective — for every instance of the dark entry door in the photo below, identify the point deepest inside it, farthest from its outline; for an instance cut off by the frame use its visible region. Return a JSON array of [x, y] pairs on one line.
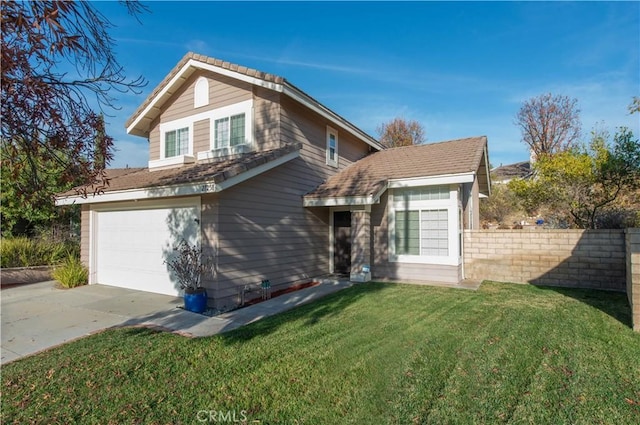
[[342, 244]]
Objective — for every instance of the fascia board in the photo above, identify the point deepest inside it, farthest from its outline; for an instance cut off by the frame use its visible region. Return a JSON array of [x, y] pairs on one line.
[[186, 189], [433, 180]]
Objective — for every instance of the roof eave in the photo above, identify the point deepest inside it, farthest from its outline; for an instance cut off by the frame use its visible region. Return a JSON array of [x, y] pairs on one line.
[[135, 128], [141, 120], [303, 98], [199, 187]]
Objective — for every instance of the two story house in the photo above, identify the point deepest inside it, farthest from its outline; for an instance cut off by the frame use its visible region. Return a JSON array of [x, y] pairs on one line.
[[274, 185]]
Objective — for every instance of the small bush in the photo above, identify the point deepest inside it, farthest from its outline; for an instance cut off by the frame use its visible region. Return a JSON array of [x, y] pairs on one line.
[[72, 273], [26, 252]]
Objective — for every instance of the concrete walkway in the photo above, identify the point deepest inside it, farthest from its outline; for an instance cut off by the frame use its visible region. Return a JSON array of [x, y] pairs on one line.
[[40, 316]]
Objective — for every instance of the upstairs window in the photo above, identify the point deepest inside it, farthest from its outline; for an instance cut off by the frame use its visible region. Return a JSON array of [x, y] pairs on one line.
[[201, 93], [176, 142], [332, 147], [229, 131]]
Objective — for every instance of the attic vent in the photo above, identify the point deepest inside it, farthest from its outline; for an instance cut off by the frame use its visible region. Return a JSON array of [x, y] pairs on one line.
[[201, 93]]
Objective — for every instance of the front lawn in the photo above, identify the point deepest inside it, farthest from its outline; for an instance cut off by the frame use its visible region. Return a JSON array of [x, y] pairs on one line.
[[371, 354]]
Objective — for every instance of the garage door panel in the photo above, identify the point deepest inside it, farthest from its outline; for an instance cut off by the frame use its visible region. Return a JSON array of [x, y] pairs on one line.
[[132, 246]]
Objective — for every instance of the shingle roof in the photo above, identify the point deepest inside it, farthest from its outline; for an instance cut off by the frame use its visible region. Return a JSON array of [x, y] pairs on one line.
[[511, 171], [216, 172], [368, 176]]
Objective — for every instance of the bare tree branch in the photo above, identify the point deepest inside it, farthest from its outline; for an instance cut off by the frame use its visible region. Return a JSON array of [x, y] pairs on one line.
[[549, 124]]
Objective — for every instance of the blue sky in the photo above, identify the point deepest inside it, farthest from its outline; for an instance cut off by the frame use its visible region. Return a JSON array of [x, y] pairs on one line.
[[461, 69]]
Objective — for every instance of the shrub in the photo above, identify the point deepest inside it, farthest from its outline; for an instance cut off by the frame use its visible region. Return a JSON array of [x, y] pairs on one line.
[[25, 252], [72, 273]]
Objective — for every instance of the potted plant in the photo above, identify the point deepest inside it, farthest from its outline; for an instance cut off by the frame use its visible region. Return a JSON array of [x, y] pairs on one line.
[[188, 267]]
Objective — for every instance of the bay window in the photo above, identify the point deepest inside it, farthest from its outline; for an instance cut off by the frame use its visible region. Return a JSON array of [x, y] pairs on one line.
[[423, 225]]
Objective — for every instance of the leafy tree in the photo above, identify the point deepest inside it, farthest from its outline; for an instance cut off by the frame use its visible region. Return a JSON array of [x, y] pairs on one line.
[[23, 211], [635, 105], [502, 205], [585, 181], [549, 124], [58, 64], [401, 132]]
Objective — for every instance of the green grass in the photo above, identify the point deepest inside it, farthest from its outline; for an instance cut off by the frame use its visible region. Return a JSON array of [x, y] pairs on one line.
[[374, 353]]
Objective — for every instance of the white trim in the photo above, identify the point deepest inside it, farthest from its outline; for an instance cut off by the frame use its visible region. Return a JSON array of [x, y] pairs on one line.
[[345, 200], [201, 92], [95, 211], [336, 156], [285, 88], [172, 161], [325, 112], [231, 151], [432, 181], [341, 201], [185, 189], [257, 170], [486, 166], [451, 205], [93, 225], [175, 126], [192, 63], [149, 204], [245, 107], [233, 74]]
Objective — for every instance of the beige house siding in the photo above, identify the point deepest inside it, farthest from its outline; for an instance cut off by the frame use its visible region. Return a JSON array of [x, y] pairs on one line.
[[382, 268], [154, 148], [266, 119], [209, 239], [264, 232], [301, 124], [85, 213], [223, 91], [201, 136]]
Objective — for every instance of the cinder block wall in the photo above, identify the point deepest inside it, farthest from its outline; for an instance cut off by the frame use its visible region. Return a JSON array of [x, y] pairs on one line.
[[633, 275], [570, 258]]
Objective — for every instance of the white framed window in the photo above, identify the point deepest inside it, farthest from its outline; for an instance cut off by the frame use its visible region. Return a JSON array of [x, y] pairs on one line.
[[201, 92], [332, 147], [229, 131], [423, 225], [423, 232], [176, 142]]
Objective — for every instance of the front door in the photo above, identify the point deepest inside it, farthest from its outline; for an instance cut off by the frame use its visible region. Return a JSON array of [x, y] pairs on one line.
[[342, 242]]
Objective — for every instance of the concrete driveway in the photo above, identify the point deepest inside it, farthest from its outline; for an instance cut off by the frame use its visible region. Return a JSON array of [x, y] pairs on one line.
[[39, 316]]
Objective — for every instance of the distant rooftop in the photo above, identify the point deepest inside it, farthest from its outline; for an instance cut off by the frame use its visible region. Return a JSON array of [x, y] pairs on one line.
[[511, 171]]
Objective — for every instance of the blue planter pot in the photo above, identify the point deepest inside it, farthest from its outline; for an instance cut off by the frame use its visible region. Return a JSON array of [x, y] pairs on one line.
[[195, 300]]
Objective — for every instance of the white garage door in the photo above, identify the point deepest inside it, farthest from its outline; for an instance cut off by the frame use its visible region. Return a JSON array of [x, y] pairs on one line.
[[132, 244]]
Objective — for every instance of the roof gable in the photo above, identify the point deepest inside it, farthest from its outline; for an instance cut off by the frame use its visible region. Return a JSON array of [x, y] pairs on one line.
[[365, 180], [139, 123]]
